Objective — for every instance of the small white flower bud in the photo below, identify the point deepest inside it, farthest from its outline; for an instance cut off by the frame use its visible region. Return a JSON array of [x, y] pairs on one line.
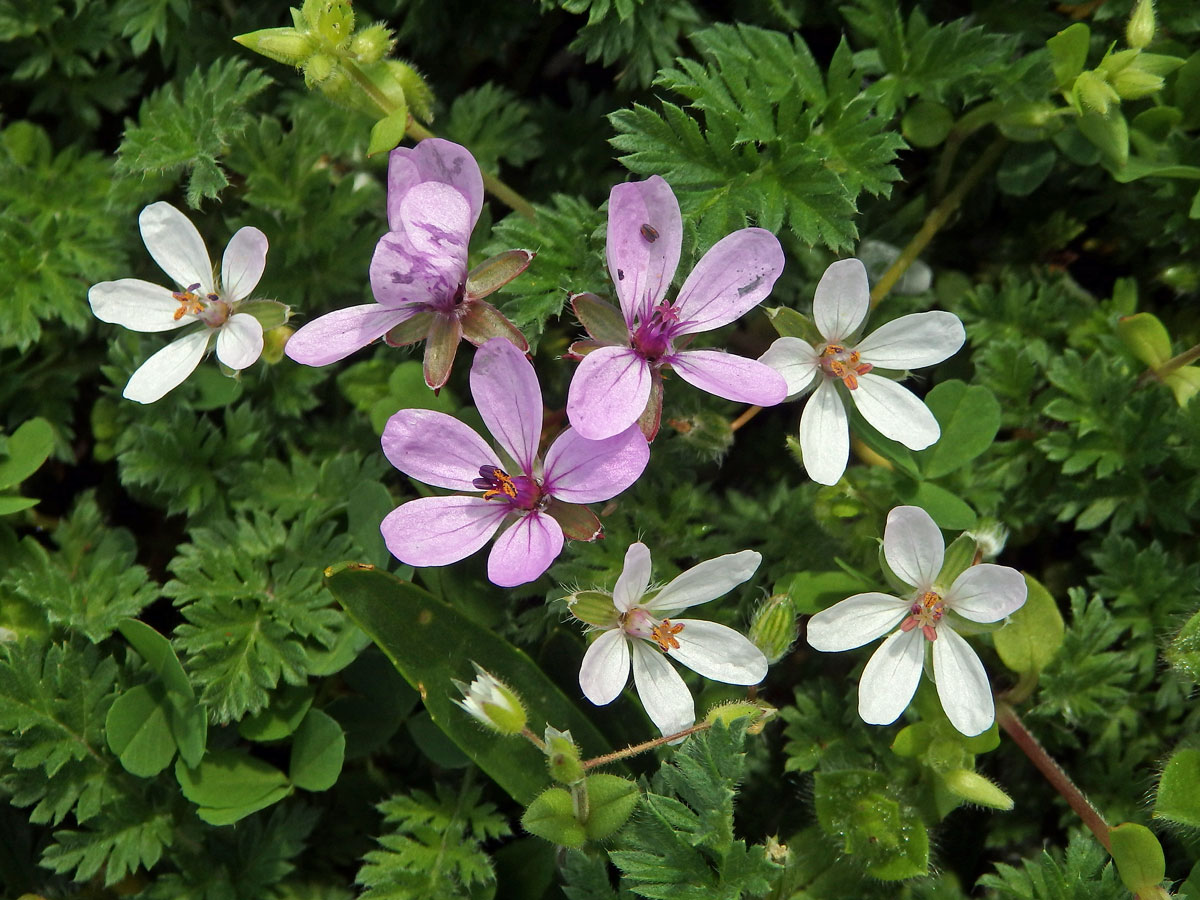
[[492, 703]]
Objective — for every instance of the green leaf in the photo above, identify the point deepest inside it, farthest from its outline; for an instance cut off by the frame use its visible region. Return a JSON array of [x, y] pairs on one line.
[[969, 416], [431, 643], [1025, 167], [137, 730], [1178, 797], [286, 711], [888, 837], [318, 750], [1034, 633], [1138, 855], [116, 843], [9, 505], [1110, 134], [1068, 54], [948, 510], [495, 123], [551, 815], [28, 447], [611, 801], [158, 654], [229, 785], [388, 131]]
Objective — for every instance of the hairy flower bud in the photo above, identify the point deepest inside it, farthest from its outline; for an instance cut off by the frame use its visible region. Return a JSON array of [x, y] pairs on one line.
[[562, 757], [372, 43], [773, 628], [492, 703], [1140, 30], [1093, 91], [285, 45]]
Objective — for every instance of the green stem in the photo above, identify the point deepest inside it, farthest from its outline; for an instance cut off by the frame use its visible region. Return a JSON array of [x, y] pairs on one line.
[[635, 749], [419, 132], [579, 801], [1007, 718], [936, 219], [963, 129], [1175, 362]]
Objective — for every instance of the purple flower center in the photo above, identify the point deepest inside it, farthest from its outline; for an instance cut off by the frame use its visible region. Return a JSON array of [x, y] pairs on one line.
[[652, 337], [925, 613], [519, 492]]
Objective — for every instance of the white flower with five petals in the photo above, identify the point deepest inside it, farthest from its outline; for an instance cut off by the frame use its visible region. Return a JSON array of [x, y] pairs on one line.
[[644, 630], [839, 307], [913, 548], [202, 298]]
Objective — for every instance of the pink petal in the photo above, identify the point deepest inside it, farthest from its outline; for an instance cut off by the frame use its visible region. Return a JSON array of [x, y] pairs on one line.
[[137, 305], [336, 335], [433, 159], [509, 400], [176, 246], [243, 263], [240, 341], [525, 551], [436, 531], [733, 277], [645, 232], [436, 449], [168, 368], [402, 274], [437, 221], [731, 377], [841, 301], [608, 392], [581, 471], [605, 668]]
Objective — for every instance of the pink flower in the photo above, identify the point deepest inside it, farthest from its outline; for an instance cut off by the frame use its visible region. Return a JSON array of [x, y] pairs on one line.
[[619, 381], [539, 500], [419, 275]]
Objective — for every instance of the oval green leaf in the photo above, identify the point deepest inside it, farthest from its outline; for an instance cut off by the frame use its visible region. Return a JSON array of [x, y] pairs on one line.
[[137, 731], [969, 416], [318, 751], [1034, 632]]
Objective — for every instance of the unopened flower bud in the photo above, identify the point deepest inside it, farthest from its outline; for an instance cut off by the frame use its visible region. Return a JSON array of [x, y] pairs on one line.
[[318, 68], [708, 433], [1094, 92], [372, 43], [1133, 83], [1140, 30], [756, 711], [974, 788], [773, 628], [562, 757], [274, 340], [285, 45], [492, 703], [990, 537]]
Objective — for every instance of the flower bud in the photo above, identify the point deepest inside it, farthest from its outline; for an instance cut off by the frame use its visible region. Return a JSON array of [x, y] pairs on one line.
[[708, 433], [492, 703], [318, 68], [274, 340], [1140, 30], [1094, 92], [593, 608], [773, 627], [1028, 121], [974, 788], [562, 757], [285, 45], [1133, 83], [758, 712], [990, 537], [372, 43]]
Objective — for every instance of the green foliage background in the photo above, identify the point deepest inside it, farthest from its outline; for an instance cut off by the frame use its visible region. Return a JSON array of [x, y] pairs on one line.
[[249, 741]]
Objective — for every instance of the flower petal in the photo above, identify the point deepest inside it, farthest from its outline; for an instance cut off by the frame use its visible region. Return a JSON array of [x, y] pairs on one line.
[[433, 159], [176, 246], [729, 376], [240, 341], [402, 274], [525, 551], [243, 263], [794, 359], [912, 341], [987, 593], [137, 305], [634, 578], [581, 471], [436, 219], [890, 677], [645, 232], [732, 278], [509, 400], [962, 684], [706, 581], [841, 300], [336, 335], [855, 621], [608, 392], [605, 667], [717, 652], [825, 434], [666, 698], [913, 546], [436, 449], [437, 531], [167, 368], [895, 412]]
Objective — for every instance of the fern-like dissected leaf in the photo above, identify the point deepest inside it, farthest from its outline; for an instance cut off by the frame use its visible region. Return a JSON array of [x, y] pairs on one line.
[[127, 836], [1084, 874], [255, 607], [493, 122], [777, 145], [53, 755], [189, 129], [433, 850], [90, 583]]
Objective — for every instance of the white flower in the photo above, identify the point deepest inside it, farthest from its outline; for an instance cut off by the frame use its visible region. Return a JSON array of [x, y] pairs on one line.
[[839, 307], [202, 299], [491, 702], [913, 548], [644, 631]]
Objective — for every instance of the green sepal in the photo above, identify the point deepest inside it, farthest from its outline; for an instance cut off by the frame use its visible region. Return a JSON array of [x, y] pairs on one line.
[[481, 322], [758, 712], [774, 627], [1093, 95], [285, 45], [578, 523], [1183, 653], [1109, 133], [611, 801], [959, 556], [1034, 632], [913, 740], [593, 608], [552, 816], [789, 323], [270, 313], [602, 321], [974, 788], [1139, 857], [495, 272], [1068, 53], [409, 331]]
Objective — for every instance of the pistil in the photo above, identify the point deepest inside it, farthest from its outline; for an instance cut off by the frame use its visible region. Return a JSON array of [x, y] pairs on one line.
[[845, 364]]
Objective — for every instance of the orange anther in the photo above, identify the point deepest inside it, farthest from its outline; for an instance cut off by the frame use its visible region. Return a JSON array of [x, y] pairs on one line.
[[664, 635]]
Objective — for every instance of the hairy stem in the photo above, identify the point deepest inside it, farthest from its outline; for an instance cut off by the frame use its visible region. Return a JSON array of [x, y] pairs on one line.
[[1175, 362], [419, 132], [635, 749], [937, 217], [533, 739], [1007, 718]]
